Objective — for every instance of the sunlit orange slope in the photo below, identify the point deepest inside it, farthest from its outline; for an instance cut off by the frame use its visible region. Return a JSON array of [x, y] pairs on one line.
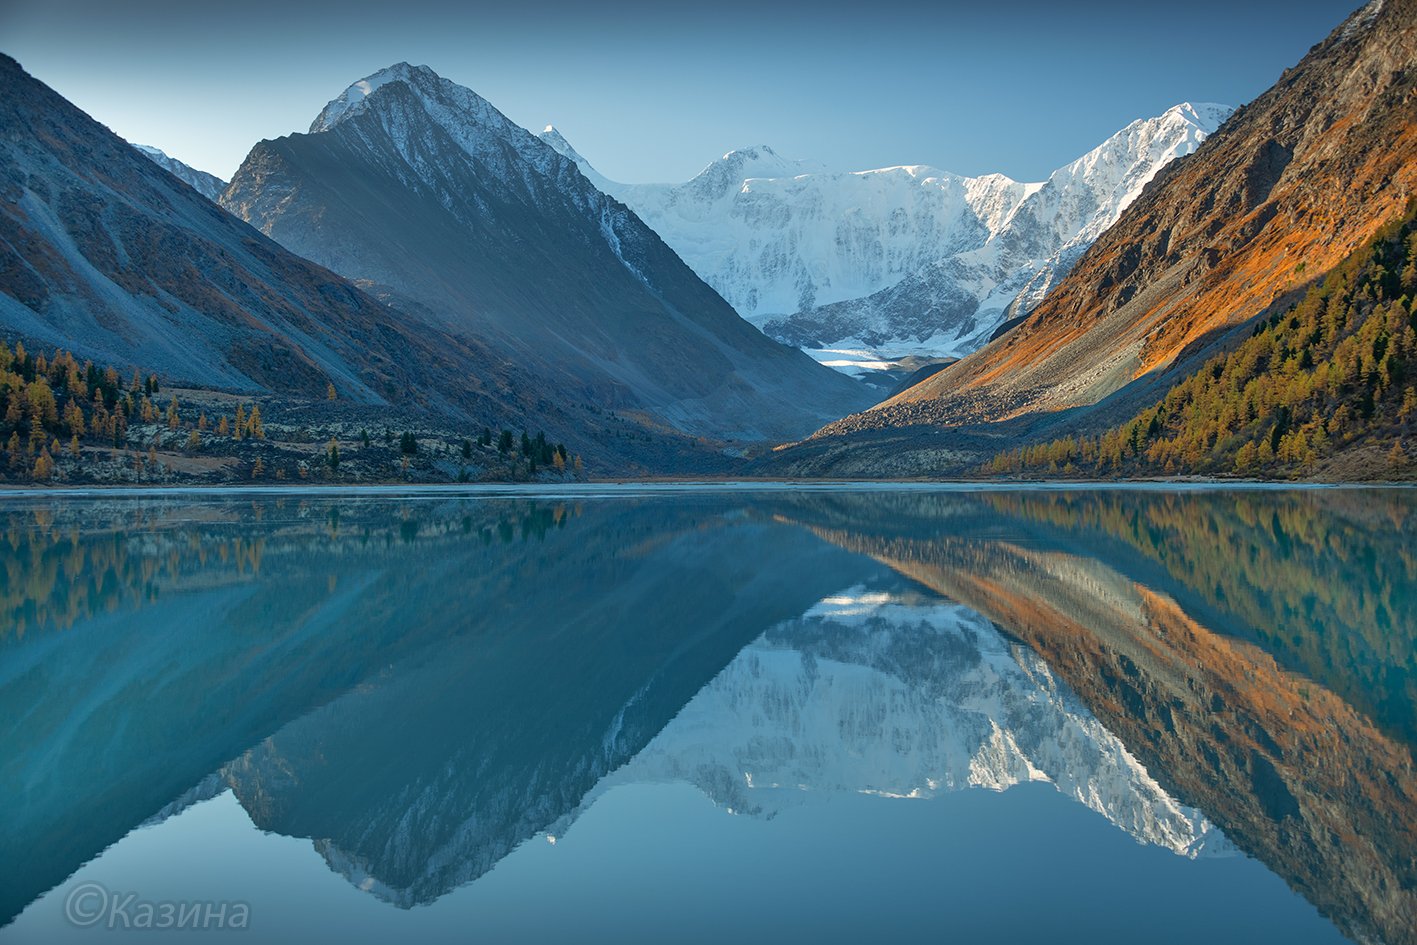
[[1283, 191]]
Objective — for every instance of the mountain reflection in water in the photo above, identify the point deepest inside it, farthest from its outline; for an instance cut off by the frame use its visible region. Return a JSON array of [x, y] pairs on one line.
[[418, 686]]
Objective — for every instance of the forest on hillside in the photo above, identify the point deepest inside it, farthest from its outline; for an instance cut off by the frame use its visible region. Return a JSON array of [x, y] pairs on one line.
[[63, 421], [1329, 375]]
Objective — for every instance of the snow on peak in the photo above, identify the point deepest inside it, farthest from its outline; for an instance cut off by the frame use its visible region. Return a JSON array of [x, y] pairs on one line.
[[899, 260], [1207, 116], [798, 716], [352, 100], [434, 112], [208, 185], [553, 137], [1105, 181], [761, 161]]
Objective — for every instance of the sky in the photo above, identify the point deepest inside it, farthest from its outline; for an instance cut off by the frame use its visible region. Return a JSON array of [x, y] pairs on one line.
[[653, 91]]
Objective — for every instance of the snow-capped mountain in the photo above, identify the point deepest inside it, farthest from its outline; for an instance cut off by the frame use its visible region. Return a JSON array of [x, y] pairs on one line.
[[422, 188], [208, 185], [874, 265], [869, 692]]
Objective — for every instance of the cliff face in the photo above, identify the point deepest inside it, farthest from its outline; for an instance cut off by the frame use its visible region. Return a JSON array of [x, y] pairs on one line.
[[1291, 184]]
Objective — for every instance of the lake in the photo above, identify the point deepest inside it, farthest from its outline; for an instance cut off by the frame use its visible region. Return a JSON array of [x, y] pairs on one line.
[[702, 714]]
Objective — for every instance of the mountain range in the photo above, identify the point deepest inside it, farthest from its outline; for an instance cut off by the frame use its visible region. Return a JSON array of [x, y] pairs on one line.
[[865, 268], [1292, 184], [105, 253], [421, 191], [417, 254], [488, 283]]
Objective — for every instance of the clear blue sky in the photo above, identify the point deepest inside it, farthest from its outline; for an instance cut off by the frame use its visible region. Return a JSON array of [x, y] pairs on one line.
[[654, 90]]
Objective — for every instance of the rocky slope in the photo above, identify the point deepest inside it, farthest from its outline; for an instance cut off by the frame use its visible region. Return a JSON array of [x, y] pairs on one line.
[[872, 266], [106, 254], [1292, 184], [422, 190]]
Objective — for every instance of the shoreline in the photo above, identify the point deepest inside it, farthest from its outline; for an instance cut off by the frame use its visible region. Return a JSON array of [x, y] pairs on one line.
[[631, 487]]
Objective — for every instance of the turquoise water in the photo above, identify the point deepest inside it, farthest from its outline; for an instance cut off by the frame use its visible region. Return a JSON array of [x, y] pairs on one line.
[[696, 714]]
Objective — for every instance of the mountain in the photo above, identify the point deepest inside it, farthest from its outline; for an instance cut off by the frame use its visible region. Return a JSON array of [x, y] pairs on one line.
[[208, 185], [1292, 184], [802, 709], [867, 267], [1322, 388], [422, 191], [105, 253]]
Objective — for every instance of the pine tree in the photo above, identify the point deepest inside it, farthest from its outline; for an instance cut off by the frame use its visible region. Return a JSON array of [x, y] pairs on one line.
[[332, 455], [43, 466], [330, 392], [258, 468]]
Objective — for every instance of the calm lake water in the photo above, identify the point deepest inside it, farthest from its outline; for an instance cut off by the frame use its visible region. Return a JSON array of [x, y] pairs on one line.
[[709, 715]]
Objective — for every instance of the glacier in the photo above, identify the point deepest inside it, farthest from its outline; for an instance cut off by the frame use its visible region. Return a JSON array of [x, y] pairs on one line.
[[863, 269]]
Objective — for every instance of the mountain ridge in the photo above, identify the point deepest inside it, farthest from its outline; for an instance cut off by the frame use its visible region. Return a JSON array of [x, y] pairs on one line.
[[894, 261], [208, 185], [1292, 184], [422, 190], [1272, 163]]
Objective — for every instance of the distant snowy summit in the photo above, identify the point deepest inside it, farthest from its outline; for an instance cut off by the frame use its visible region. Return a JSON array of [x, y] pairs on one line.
[[208, 185], [863, 268]]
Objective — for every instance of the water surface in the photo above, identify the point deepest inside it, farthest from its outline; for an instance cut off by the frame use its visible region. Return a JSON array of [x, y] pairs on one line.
[[680, 714]]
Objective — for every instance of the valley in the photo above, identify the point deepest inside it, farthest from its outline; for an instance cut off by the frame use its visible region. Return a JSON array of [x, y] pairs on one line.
[[435, 267]]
